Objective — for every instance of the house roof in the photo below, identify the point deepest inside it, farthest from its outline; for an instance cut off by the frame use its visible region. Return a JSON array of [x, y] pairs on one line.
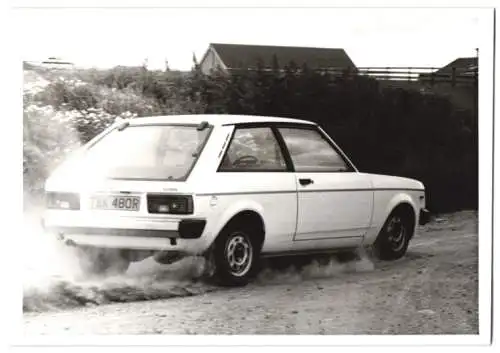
[[237, 56], [461, 64]]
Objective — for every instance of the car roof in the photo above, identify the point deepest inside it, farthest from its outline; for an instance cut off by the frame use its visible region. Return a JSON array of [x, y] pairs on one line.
[[215, 119]]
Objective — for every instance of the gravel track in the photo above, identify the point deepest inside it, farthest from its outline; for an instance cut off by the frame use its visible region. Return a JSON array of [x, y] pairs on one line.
[[432, 290]]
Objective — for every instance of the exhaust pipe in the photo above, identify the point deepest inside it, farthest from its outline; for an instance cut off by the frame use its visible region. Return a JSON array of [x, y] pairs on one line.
[[168, 257]]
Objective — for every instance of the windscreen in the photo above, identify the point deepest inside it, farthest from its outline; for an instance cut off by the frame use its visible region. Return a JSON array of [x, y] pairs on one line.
[[147, 152]]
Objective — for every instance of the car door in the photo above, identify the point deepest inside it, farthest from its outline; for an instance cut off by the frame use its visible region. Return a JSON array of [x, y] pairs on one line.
[[254, 174], [334, 200]]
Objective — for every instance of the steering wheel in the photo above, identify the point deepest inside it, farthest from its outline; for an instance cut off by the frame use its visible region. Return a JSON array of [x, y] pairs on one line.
[[247, 159]]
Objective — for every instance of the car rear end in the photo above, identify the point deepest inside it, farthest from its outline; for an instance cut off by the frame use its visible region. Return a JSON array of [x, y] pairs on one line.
[[129, 189]]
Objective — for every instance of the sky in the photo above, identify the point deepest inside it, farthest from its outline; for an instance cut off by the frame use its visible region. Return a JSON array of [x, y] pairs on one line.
[[371, 37]]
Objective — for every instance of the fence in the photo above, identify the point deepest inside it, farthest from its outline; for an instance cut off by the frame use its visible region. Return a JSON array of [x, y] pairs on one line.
[[454, 76], [429, 75]]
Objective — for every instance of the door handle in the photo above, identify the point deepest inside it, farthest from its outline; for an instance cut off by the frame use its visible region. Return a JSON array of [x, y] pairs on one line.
[[306, 181]]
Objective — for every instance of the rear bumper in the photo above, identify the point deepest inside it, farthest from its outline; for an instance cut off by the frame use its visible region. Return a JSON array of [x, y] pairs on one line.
[[184, 235], [187, 229], [425, 216]]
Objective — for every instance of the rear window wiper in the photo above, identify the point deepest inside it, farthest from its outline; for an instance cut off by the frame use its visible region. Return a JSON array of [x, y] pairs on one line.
[[123, 125], [202, 126]]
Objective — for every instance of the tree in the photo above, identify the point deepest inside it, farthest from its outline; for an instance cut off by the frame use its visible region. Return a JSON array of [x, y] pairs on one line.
[[196, 66]]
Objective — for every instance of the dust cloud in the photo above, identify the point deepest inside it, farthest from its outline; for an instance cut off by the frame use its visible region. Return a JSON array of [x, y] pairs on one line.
[[52, 281], [291, 270]]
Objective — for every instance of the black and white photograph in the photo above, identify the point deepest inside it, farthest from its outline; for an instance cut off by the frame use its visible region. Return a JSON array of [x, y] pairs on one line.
[[265, 173]]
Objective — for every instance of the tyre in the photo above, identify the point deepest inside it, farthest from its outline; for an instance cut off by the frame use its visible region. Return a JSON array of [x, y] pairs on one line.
[[98, 262], [235, 255], [392, 242]]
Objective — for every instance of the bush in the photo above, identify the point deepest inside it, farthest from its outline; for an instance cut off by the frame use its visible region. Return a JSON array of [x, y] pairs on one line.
[[383, 130], [64, 109], [388, 131], [48, 136]]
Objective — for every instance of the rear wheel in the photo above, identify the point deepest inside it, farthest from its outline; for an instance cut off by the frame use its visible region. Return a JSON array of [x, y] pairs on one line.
[[392, 242], [235, 256]]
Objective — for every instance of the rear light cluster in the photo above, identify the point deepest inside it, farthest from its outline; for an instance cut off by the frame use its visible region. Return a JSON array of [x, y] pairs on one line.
[[170, 204], [62, 201]]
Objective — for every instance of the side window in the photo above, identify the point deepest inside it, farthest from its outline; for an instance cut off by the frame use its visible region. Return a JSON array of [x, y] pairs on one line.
[[253, 149], [310, 152]]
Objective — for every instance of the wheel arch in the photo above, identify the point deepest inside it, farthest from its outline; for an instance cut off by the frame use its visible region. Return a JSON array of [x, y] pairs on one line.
[[405, 203], [383, 211], [407, 209], [244, 213]]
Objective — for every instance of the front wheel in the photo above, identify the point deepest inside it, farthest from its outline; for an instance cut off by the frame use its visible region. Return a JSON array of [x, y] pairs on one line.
[[393, 240], [235, 257]]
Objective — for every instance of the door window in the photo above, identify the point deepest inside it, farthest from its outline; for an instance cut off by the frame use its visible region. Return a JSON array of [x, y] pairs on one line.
[[253, 149], [310, 152]]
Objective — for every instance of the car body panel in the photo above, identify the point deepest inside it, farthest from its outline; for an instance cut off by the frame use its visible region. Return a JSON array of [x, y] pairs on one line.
[[339, 210], [389, 192], [270, 195], [335, 205]]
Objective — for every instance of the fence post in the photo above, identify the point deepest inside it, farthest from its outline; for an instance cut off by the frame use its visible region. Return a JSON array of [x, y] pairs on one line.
[[347, 73], [453, 76], [409, 74]]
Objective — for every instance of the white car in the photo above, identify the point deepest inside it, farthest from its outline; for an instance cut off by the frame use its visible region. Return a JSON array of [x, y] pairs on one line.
[[232, 188]]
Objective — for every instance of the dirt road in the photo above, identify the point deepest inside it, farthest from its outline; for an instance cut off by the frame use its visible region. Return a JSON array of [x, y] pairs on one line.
[[433, 290]]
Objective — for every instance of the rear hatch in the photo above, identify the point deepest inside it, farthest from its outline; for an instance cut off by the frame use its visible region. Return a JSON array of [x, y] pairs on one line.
[[134, 170]]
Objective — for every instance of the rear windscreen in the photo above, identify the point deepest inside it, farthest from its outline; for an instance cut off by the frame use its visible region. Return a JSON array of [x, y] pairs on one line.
[[157, 152]]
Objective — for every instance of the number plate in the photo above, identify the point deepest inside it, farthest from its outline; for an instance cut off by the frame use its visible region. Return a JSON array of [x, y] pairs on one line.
[[112, 202]]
